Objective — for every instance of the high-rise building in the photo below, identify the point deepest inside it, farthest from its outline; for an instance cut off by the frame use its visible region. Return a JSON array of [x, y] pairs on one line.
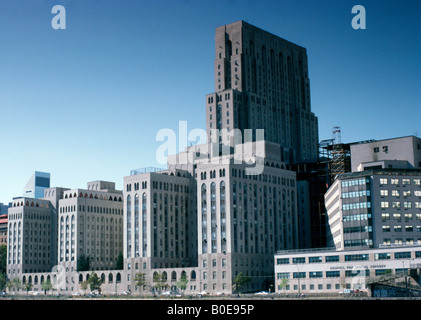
[[90, 223], [30, 236], [262, 82], [36, 185], [211, 217], [375, 207]]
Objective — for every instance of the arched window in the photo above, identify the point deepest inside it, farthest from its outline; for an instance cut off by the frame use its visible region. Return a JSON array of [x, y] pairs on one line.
[[173, 276], [213, 217], [193, 275], [110, 278], [129, 225]]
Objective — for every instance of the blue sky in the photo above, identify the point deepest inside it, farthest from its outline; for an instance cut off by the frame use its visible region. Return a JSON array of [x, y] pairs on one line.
[[86, 103]]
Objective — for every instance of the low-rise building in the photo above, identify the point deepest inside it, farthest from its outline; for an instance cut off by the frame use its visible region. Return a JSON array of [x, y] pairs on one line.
[[327, 270]]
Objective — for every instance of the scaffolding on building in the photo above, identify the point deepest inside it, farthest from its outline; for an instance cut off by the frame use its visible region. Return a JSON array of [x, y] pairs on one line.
[[336, 155], [340, 154]]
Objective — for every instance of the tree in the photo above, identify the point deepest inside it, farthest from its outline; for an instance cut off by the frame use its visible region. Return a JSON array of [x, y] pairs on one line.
[[84, 285], [3, 259], [46, 286], [84, 263], [95, 282], [27, 286], [160, 281], [182, 284], [140, 280], [240, 281], [2, 281], [283, 284], [14, 283], [120, 262]]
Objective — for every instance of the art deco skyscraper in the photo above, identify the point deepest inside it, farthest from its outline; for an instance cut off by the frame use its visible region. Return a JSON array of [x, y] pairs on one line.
[[261, 82]]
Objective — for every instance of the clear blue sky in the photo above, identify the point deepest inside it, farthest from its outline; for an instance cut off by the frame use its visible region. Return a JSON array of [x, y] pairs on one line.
[[86, 103]]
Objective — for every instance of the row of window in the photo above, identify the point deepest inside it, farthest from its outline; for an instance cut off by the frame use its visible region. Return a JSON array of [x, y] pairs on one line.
[[357, 205], [396, 193], [92, 209], [387, 228], [397, 204], [334, 274], [405, 181], [398, 216], [355, 182], [356, 194]]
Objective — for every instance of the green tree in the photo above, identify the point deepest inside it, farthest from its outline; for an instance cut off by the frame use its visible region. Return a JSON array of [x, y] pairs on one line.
[[84, 285], [3, 259], [283, 284], [120, 262], [14, 284], [241, 281], [84, 263], [140, 280], [160, 281], [27, 286], [182, 284], [95, 282], [2, 281], [46, 286]]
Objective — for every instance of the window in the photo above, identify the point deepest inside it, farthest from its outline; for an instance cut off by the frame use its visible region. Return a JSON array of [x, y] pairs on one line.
[[409, 229], [382, 256], [407, 204], [333, 274], [406, 181], [397, 228], [332, 258], [397, 216], [297, 275], [406, 193], [386, 228], [385, 216], [384, 193], [315, 274], [376, 149], [282, 275], [383, 181], [395, 193], [356, 257], [408, 216], [417, 182], [396, 205], [402, 255], [394, 181], [314, 259], [384, 204], [282, 261], [385, 149], [299, 260]]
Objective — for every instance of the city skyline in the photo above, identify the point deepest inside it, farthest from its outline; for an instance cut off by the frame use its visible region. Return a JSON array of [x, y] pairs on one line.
[[86, 103]]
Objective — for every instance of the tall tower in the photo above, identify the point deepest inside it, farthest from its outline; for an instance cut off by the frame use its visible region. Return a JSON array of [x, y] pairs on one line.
[[261, 82]]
